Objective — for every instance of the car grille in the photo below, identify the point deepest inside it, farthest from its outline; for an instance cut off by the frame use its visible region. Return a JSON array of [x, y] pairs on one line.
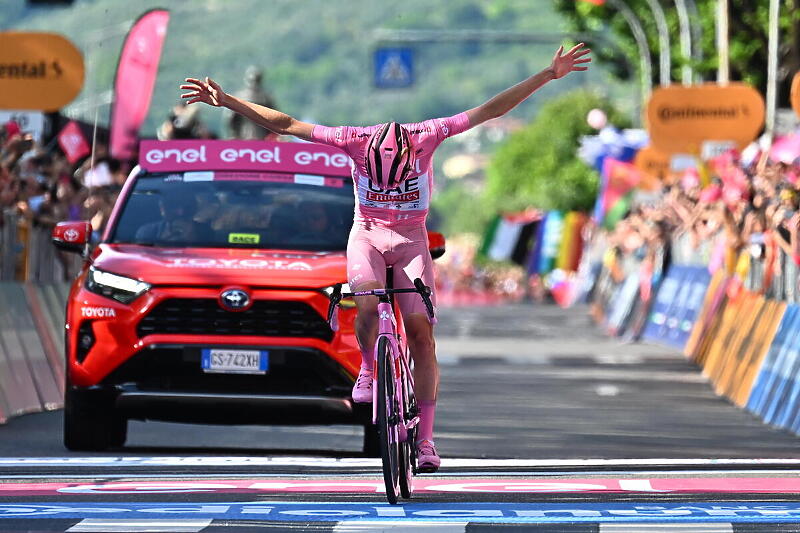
[[292, 371], [204, 316]]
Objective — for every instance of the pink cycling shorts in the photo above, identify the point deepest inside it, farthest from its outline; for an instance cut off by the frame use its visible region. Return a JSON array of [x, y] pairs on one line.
[[373, 246]]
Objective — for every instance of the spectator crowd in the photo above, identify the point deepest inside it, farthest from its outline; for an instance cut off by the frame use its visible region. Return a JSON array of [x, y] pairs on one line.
[[739, 212], [39, 184]]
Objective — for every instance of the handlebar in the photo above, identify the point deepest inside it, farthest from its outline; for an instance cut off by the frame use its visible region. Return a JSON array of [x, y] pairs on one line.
[[419, 287]]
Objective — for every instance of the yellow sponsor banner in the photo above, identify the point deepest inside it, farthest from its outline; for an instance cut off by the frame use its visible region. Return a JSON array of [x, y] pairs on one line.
[[707, 320], [40, 71], [654, 166], [734, 321], [734, 353], [244, 238], [740, 384], [794, 96], [740, 343], [681, 118]]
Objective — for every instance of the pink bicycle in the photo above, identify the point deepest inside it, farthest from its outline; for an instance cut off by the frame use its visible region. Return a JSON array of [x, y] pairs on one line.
[[394, 406]]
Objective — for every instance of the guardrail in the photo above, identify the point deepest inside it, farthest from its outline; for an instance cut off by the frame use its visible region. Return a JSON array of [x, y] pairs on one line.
[[33, 295], [31, 347], [26, 253]]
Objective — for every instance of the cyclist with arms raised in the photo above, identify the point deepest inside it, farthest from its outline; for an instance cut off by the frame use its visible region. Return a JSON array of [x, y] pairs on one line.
[[393, 181]]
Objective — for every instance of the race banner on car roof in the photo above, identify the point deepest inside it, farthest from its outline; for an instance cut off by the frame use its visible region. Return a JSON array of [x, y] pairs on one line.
[[262, 156]]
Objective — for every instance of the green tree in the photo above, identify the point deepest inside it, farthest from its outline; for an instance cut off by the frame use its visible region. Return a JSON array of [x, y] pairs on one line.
[[748, 24], [538, 167]]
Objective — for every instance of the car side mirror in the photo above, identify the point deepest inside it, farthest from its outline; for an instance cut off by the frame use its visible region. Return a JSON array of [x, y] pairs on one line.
[[436, 244], [72, 236]]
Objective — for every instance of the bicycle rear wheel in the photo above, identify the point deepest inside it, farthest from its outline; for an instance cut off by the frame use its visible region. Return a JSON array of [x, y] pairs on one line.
[[388, 416]]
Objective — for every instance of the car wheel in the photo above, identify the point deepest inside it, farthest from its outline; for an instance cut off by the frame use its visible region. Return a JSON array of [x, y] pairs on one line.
[[91, 426], [371, 442]]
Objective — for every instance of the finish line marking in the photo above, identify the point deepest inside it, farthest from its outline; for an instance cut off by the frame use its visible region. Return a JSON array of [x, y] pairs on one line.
[[462, 474], [747, 485], [625, 512], [356, 462]]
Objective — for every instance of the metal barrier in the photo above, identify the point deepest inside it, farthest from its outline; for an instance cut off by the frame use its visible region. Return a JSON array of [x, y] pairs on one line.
[[26, 253], [775, 278]]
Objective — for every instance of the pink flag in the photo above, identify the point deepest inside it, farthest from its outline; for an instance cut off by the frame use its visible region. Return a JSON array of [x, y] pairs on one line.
[[72, 142], [786, 149], [136, 75]]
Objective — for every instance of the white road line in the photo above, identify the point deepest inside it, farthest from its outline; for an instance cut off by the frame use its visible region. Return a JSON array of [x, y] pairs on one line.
[[353, 526], [459, 474], [658, 528], [139, 526], [357, 462]]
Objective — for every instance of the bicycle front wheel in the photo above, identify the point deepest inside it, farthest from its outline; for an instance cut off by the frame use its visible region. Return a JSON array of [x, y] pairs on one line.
[[407, 449], [388, 417]]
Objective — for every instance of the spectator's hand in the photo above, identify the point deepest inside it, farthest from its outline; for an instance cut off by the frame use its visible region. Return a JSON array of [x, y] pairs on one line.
[[207, 92], [571, 61], [19, 144]]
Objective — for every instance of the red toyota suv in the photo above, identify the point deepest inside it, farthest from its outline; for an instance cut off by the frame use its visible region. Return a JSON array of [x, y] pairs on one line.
[[205, 299]]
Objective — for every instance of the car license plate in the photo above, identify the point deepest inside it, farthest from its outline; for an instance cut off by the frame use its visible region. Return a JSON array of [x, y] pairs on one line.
[[235, 361]]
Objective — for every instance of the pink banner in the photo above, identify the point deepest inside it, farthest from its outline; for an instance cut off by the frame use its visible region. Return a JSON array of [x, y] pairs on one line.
[[740, 485], [136, 75], [73, 143], [262, 156]]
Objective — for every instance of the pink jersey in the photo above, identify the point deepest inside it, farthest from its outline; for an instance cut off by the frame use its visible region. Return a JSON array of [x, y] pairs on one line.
[[408, 203]]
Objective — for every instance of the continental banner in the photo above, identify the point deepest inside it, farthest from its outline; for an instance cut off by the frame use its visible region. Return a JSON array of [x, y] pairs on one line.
[[677, 304], [40, 71], [680, 119]]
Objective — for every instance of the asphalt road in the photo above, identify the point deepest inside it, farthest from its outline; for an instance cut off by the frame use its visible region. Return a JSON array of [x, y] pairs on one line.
[[517, 382], [537, 408]]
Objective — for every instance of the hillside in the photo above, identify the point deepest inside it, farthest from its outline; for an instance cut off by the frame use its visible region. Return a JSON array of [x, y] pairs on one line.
[[317, 55]]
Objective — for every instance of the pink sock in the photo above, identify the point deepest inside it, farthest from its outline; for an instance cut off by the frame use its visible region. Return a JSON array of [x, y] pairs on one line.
[[427, 413], [366, 359]]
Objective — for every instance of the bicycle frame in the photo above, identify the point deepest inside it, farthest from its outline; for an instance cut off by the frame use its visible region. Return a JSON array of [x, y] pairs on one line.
[[395, 430], [387, 327]]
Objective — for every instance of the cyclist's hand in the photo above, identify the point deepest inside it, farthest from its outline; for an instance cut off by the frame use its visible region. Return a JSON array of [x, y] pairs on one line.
[[208, 92], [573, 60]]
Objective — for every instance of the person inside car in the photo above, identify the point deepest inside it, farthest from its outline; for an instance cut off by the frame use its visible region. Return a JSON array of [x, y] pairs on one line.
[[316, 225], [176, 224]]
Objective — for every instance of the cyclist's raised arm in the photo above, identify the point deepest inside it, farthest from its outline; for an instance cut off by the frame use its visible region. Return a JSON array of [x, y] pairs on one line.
[[562, 64], [209, 92]]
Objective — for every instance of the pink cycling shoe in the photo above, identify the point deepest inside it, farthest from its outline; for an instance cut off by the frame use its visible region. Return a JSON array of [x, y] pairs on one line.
[[427, 459], [362, 390]]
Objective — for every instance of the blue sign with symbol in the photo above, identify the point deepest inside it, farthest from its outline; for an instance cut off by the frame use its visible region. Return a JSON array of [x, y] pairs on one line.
[[394, 68]]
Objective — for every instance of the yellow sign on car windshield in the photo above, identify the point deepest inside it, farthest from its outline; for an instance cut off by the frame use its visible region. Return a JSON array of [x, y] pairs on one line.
[[244, 238]]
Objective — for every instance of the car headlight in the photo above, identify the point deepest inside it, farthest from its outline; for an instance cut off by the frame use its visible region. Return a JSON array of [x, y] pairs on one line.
[[114, 286], [345, 302]]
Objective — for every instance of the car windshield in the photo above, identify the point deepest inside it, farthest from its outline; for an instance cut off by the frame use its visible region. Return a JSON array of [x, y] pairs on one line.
[[237, 209]]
